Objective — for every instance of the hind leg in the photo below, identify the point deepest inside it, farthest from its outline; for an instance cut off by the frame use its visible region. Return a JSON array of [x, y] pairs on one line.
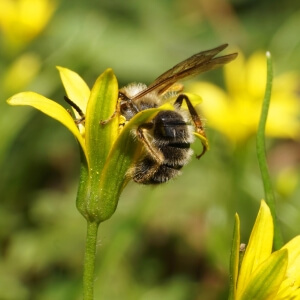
[[195, 117]]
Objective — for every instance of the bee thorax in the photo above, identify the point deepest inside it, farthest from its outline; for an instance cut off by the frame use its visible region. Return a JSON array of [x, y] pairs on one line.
[[170, 127], [132, 106]]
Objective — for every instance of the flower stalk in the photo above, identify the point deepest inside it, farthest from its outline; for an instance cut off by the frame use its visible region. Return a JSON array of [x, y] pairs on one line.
[[89, 260]]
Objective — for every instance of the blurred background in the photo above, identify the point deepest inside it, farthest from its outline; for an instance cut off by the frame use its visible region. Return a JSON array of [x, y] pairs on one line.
[[167, 242]]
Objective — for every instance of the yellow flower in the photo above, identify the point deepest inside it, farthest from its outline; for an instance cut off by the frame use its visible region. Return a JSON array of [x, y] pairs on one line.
[[22, 20], [108, 152], [236, 113], [264, 274], [21, 72]]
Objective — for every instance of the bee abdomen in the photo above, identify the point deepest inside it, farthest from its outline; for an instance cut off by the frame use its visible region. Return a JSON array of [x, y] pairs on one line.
[[171, 138], [176, 154], [148, 171]]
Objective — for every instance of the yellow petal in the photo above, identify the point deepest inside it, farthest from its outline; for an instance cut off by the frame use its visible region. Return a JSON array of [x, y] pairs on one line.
[[291, 284], [235, 75], [22, 20], [256, 68], [259, 247], [194, 98], [76, 88], [215, 103], [293, 247], [283, 121], [21, 72], [203, 140], [227, 115], [265, 281], [50, 108]]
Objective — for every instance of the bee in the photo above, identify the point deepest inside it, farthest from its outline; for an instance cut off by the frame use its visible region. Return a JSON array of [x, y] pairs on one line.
[[166, 139]]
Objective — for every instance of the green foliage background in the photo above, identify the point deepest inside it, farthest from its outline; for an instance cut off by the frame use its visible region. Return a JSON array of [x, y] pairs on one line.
[[168, 242]]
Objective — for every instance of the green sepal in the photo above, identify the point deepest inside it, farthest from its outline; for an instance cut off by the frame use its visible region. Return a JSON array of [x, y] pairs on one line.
[[99, 140], [101, 106]]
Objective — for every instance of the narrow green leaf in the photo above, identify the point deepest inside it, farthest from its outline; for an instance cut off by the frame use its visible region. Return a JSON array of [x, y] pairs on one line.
[[265, 281], [234, 259], [261, 153], [259, 247], [50, 108]]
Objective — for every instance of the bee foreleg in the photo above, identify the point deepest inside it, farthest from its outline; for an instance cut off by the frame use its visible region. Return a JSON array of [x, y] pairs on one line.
[[152, 150], [104, 122], [144, 170]]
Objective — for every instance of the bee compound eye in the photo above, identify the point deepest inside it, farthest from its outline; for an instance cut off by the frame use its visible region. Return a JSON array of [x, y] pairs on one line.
[[122, 96]]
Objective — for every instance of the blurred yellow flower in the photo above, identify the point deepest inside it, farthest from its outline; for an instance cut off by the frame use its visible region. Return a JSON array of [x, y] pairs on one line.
[[236, 113], [263, 274], [21, 72], [22, 20]]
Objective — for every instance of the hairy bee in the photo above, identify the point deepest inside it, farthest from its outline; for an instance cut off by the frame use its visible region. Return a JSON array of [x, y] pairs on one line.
[[166, 139]]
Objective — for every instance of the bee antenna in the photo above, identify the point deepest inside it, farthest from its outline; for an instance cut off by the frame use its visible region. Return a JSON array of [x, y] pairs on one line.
[[75, 106]]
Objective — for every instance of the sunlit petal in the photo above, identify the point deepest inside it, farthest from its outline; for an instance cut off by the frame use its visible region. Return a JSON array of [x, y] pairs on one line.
[[76, 88], [264, 283], [256, 76], [215, 102], [50, 108], [235, 75], [291, 284], [22, 20], [259, 247], [21, 72]]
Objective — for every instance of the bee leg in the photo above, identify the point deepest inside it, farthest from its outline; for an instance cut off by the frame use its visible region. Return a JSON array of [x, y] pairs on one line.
[[195, 117], [77, 108], [104, 122], [153, 151], [117, 111], [148, 166]]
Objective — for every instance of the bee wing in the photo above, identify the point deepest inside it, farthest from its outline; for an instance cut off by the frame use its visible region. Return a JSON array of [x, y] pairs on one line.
[[194, 65]]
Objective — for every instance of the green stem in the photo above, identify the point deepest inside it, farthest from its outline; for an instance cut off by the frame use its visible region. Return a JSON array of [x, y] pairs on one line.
[[261, 155], [89, 260]]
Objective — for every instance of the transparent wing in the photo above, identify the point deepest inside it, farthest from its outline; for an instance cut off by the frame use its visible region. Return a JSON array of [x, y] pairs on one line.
[[194, 65]]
